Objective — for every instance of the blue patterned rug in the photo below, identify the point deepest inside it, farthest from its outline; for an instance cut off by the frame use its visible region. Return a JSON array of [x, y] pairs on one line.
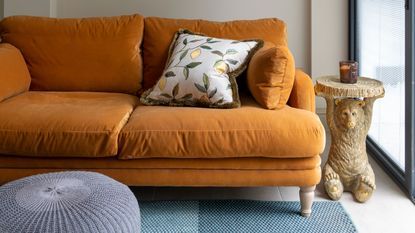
[[242, 216]]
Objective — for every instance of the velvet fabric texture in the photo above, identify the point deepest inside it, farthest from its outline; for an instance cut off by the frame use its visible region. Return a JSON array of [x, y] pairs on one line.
[[302, 94], [176, 172], [113, 134], [189, 177], [63, 124], [88, 54], [14, 76], [259, 163], [249, 131], [159, 33], [271, 76]]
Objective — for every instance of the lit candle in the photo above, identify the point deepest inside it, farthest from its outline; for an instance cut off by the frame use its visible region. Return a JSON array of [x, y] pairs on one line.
[[348, 71]]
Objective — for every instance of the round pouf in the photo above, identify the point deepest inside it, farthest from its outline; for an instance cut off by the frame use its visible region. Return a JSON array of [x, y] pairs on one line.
[[68, 202]]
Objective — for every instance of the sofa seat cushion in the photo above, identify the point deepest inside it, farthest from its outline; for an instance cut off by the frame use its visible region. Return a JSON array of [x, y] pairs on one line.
[[249, 131], [63, 124]]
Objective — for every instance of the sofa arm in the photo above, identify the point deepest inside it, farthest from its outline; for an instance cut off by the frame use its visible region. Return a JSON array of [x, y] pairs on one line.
[[14, 75], [302, 94]]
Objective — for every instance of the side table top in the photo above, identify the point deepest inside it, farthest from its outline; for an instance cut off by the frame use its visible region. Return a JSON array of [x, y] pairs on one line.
[[330, 86]]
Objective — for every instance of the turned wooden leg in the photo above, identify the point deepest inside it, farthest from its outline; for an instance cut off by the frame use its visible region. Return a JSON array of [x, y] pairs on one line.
[[306, 199]]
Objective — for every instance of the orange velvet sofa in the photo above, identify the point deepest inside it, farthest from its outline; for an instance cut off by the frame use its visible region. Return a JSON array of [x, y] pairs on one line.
[[69, 101]]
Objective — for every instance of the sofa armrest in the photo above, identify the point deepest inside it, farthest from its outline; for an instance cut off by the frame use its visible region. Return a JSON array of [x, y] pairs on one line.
[[14, 74], [302, 94]]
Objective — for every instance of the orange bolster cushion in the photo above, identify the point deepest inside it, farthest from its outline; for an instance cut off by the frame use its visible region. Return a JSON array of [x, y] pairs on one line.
[[271, 75], [85, 54], [14, 76]]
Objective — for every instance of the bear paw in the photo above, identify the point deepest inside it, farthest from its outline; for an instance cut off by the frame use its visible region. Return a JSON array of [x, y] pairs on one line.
[[364, 189], [331, 176], [334, 187]]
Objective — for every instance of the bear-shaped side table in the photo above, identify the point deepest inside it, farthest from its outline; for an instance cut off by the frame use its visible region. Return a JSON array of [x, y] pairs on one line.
[[349, 115]]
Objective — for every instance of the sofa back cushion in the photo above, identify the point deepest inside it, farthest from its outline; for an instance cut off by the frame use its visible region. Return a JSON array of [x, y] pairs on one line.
[[14, 76], [89, 54], [159, 33]]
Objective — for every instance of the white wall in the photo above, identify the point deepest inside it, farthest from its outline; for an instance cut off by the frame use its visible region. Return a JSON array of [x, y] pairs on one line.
[[317, 29]]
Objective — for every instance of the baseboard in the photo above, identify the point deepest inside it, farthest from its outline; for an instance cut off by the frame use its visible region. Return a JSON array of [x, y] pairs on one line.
[[321, 111]]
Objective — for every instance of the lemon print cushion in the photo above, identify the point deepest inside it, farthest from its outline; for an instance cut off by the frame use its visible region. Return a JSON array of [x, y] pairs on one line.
[[201, 71]]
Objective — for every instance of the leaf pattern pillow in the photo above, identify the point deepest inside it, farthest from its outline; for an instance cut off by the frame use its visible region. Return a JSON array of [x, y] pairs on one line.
[[201, 71]]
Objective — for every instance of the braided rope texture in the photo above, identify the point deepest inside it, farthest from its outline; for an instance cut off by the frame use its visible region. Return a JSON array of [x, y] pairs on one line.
[[68, 202], [243, 216]]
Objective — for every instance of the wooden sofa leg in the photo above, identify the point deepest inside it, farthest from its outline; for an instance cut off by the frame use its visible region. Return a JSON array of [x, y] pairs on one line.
[[306, 199]]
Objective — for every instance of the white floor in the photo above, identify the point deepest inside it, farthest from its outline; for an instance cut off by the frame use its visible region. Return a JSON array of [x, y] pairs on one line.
[[388, 211]]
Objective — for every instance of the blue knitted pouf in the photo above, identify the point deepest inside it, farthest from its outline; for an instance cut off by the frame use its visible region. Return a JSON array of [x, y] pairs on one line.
[[68, 202]]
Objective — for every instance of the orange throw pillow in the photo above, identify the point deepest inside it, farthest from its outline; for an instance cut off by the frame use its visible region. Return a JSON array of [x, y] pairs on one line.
[[14, 76], [271, 75]]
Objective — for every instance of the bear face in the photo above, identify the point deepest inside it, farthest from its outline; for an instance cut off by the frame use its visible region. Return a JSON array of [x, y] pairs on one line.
[[348, 113]]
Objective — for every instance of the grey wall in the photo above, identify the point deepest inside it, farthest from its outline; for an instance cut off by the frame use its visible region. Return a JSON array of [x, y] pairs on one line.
[[29, 7], [295, 13], [329, 39], [1, 8]]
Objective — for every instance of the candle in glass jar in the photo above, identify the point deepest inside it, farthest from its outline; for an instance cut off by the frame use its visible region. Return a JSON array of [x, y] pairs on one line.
[[348, 71]]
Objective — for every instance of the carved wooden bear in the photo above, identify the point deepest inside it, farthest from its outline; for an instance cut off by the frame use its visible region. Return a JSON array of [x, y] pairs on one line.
[[347, 167]]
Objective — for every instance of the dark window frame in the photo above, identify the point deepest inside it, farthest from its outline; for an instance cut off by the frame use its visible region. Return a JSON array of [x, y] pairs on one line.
[[405, 179]]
